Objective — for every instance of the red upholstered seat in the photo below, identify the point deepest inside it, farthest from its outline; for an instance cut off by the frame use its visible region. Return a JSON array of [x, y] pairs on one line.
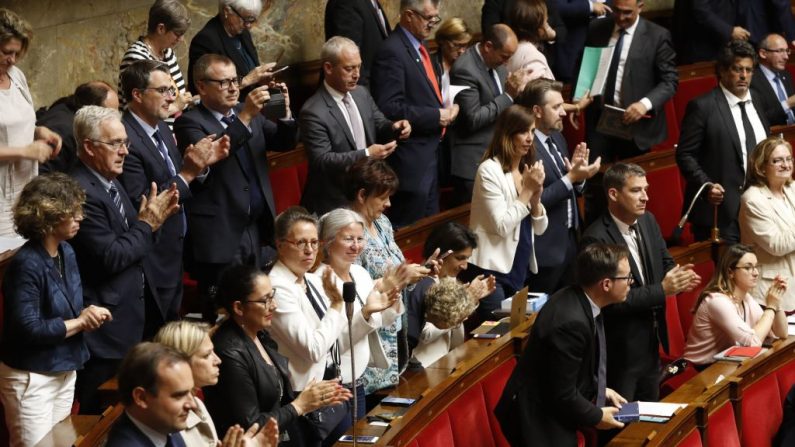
[[691, 440], [686, 300], [761, 412], [689, 89], [574, 136], [721, 429], [676, 338], [437, 433], [673, 129], [786, 378], [466, 413], [665, 201], [492, 391], [413, 254], [413, 444], [286, 188]]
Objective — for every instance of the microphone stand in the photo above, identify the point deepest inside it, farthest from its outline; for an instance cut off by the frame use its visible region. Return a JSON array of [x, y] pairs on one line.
[[349, 295], [677, 233]]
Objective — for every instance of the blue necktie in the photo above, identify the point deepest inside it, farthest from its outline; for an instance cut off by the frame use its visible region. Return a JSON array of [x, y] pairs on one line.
[[161, 147], [114, 194], [783, 97], [558, 158], [175, 440]]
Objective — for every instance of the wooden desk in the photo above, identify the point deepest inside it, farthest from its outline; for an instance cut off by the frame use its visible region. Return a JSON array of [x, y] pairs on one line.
[[65, 433]]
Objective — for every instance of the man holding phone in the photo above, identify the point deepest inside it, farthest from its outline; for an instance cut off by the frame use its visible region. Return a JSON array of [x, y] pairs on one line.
[[341, 124]]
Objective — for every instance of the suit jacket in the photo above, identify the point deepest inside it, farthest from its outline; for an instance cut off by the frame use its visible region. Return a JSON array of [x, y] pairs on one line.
[[496, 216], [218, 213], [632, 343], [357, 20], [771, 106], [500, 11], [402, 90], [480, 105], [37, 302], [763, 17], [330, 146], [144, 164], [246, 392], [114, 262], [60, 119], [125, 433], [555, 198], [709, 150], [702, 27], [576, 15], [212, 38], [649, 72], [549, 394], [766, 225]]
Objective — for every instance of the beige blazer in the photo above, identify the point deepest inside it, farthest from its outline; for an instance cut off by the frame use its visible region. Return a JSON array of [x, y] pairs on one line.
[[770, 228], [495, 216]]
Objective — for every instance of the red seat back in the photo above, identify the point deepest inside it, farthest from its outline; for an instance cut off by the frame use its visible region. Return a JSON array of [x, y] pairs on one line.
[[467, 416], [676, 337], [689, 89], [492, 391], [437, 433], [786, 378], [673, 128], [691, 440], [686, 300], [761, 412], [721, 428], [665, 202], [286, 188]]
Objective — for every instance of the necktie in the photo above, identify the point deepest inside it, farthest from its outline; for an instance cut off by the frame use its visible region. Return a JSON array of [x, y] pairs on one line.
[[357, 128], [174, 440], [601, 372], [553, 151], [161, 147], [380, 15], [783, 97], [612, 71], [114, 194], [256, 199], [426, 63], [571, 206], [497, 90], [641, 252], [750, 139]]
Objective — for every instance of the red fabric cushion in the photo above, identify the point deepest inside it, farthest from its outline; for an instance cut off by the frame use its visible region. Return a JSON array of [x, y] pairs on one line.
[[574, 136], [493, 385], [286, 188], [761, 412], [467, 416], [673, 129], [686, 300], [786, 378], [665, 202], [721, 429], [437, 433], [676, 338], [691, 440], [413, 254], [412, 444], [689, 89]]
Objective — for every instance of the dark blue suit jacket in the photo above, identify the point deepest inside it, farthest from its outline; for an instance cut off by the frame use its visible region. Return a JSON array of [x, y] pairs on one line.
[[145, 165], [113, 263], [212, 39], [37, 302], [358, 21], [575, 14], [125, 434], [554, 198], [218, 213], [402, 90]]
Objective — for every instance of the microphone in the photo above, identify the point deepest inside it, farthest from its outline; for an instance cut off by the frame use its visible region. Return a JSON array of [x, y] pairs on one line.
[[677, 233], [348, 295]]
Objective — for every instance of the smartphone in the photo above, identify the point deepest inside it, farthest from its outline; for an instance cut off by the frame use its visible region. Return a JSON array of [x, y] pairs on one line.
[[439, 259], [359, 439], [398, 401], [279, 70]]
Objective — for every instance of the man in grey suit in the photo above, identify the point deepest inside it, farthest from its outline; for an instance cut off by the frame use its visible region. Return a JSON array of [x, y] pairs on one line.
[[772, 83], [491, 90], [341, 124]]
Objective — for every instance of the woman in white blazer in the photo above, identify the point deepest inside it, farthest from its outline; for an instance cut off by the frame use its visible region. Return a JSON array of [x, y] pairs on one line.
[[767, 214], [506, 209]]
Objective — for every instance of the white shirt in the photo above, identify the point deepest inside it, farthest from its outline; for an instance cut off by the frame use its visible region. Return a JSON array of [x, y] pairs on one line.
[[338, 97], [630, 33], [629, 237], [737, 116]]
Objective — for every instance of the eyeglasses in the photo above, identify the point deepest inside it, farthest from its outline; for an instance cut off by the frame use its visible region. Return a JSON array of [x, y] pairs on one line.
[[457, 46], [778, 161], [164, 91], [747, 268], [303, 244], [267, 300], [116, 145], [738, 69], [432, 20], [780, 50], [225, 83], [246, 20], [630, 280], [350, 241]]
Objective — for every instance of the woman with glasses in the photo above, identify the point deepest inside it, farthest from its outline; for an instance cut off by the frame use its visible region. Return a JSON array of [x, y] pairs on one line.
[[228, 34], [168, 22], [44, 319], [767, 213], [725, 313], [254, 382], [377, 303], [23, 145]]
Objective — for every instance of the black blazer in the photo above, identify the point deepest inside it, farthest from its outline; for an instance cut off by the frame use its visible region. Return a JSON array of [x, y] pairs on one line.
[[549, 394], [219, 210], [330, 146], [213, 39], [554, 198], [60, 119], [126, 434], [402, 90], [145, 165], [771, 106], [246, 392], [702, 27], [114, 262], [649, 71], [575, 16], [632, 343], [709, 150], [357, 20]]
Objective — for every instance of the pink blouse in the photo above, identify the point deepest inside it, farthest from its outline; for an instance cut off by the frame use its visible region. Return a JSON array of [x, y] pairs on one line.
[[719, 325]]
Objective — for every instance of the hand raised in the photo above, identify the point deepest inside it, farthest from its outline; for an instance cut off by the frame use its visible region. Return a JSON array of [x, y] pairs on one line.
[[156, 208]]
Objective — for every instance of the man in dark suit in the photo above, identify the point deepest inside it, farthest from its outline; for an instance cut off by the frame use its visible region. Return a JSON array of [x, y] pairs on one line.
[[228, 34], [154, 157], [231, 213], [702, 27], [362, 21], [341, 124], [404, 86], [113, 247], [563, 180], [636, 328], [558, 384], [762, 17], [60, 119], [491, 90], [156, 389], [772, 82], [576, 15], [720, 130]]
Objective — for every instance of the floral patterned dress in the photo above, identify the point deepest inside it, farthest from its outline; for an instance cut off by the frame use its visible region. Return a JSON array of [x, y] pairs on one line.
[[380, 253]]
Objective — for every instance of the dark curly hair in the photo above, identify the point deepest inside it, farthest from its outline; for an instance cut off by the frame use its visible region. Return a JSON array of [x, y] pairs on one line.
[[45, 202]]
